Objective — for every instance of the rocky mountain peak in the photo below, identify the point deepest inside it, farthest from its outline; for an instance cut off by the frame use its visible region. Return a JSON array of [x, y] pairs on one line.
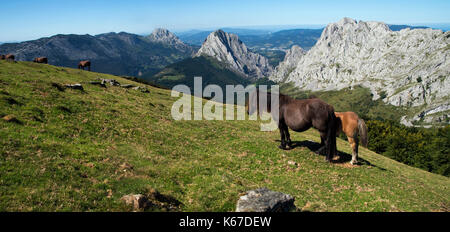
[[227, 48], [222, 34], [348, 28], [164, 36]]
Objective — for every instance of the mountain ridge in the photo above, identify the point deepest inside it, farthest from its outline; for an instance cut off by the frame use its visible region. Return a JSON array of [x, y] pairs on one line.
[[114, 53]]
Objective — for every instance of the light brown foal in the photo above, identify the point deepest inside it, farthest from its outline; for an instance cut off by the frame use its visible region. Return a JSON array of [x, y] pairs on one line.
[[352, 126]]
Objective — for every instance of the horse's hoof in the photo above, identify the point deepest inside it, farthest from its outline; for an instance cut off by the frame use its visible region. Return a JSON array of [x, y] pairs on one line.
[[282, 147]]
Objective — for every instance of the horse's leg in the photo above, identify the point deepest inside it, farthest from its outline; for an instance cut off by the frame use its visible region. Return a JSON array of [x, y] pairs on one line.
[[287, 135], [354, 144], [282, 134], [323, 136]]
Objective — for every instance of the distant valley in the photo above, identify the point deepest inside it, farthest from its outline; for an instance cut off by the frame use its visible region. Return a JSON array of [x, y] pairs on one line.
[[281, 40], [211, 70]]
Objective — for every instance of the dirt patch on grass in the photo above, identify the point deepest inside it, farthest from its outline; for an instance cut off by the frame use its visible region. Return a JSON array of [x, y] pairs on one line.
[[346, 165], [12, 119]]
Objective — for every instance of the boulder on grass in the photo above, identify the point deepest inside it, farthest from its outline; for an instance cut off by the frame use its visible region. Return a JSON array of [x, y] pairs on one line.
[[265, 200], [142, 89], [101, 84], [75, 86], [127, 86], [111, 82], [137, 201]]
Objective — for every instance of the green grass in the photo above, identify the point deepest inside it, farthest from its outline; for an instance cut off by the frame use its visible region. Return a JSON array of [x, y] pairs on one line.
[[82, 151]]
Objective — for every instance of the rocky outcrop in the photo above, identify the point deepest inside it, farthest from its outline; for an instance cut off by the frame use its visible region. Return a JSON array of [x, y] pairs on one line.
[[265, 200], [227, 48], [164, 36], [407, 67], [136, 201], [289, 63], [142, 89], [112, 82], [75, 86]]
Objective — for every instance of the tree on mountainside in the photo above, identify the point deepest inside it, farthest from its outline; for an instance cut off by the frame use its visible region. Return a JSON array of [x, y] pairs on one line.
[[427, 149]]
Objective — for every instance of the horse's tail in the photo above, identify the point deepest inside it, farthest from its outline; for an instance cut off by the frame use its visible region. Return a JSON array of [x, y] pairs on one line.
[[363, 132], [331, 135]]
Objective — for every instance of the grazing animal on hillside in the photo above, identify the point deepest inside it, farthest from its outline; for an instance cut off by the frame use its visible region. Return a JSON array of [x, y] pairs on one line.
[[84, 64], [10, 57], [301, 115], [41, 60], [350, 124], [2, 57]]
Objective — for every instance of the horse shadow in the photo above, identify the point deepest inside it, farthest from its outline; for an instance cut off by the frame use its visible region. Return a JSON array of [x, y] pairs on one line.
[[343, 156]]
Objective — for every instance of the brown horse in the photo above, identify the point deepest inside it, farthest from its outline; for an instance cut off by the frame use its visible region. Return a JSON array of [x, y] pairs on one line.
[[41, 60], [301, 115], [352, 126], [10, 57], [2, 57], [84, 64]]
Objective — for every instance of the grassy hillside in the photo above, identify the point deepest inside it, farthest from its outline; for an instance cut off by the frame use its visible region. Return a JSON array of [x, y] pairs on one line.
[[425, 148], [82, 151]]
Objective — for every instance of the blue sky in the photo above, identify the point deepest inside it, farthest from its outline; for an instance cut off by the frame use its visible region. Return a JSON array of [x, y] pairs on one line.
[[31, 19]]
